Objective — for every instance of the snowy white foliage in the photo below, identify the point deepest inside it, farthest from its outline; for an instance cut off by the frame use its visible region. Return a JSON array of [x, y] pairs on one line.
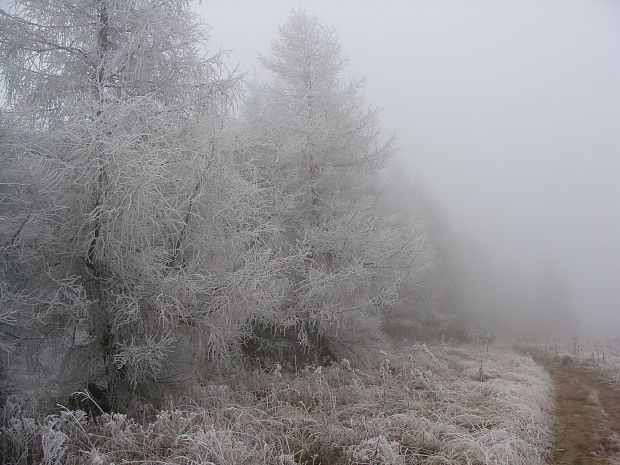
[[121, 179], [148, 231], [318, 149]]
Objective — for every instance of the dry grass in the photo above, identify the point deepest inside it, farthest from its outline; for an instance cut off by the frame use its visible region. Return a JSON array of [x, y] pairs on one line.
[[600, 356], [423, 405]]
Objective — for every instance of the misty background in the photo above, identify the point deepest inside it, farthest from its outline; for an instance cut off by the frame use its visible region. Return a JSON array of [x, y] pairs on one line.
[[508, 113]]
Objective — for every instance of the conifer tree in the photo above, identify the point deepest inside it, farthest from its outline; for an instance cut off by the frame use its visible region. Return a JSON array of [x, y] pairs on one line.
[[320, 149], [131, 236]]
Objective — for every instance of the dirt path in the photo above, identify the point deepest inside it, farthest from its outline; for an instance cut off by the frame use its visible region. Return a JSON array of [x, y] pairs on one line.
[[588, 411]]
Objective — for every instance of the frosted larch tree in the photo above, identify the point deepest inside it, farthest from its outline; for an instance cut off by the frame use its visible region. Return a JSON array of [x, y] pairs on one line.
[[319, 149], [130, 236]]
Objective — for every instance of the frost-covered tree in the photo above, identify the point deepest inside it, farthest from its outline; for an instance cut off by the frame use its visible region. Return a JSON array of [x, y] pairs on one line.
[[431, 304], [325, 139], [131, 234], [319, 149]]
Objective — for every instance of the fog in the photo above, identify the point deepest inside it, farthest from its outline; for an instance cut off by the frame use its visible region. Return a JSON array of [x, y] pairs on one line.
[[508, 112]]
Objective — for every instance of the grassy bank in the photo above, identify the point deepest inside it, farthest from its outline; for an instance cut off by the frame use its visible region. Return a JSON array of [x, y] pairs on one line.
[[423, 405]]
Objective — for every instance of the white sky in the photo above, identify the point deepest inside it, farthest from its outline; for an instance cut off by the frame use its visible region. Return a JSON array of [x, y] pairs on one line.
[[508, 110]]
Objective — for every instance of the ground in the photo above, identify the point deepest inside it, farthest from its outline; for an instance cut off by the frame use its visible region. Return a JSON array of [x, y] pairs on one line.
[[588, 414]]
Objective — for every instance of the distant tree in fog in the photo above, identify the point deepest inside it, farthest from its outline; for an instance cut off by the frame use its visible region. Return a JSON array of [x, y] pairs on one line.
[[431, 304]]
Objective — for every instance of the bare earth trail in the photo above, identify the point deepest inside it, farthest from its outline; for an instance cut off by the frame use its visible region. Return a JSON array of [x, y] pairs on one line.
[[588, 416]]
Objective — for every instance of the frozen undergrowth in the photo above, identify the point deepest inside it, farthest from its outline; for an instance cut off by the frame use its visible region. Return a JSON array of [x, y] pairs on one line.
[[426, 405]]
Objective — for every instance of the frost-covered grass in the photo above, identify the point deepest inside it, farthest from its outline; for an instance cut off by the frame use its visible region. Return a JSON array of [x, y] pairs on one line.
[[599, 355], [424, 405]]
